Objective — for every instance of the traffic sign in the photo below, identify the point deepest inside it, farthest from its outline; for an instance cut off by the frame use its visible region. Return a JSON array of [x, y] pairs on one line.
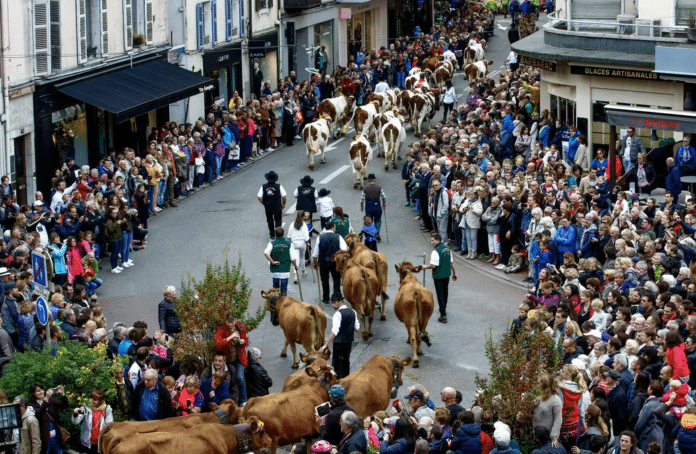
[[42, 312], [38, 265]]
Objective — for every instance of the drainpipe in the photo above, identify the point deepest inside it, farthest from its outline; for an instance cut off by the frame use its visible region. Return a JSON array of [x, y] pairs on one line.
[[5, 92]]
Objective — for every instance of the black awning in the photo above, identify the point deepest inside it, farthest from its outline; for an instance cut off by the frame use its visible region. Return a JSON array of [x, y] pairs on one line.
[[134, 91], [649, 118]]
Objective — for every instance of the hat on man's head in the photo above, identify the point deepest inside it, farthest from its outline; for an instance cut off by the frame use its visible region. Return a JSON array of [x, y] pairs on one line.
[[4, 271], [391, 421], [323, 192], [371, 176], [38, 203], [306, 181], [9, 285], [594, 333], [271, 176], [321, 446], [502, 437], [337, 296], [613, 374], [337, 392], [416, 394]]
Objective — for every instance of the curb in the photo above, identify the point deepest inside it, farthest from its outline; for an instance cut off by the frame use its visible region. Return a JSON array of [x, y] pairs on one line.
[[483, 268]]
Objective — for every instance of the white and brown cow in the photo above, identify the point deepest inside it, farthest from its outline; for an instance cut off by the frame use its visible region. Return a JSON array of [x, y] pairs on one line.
[[424, 107], [378, 123], [474, 53], [360, 154], [393, 136], [477, 70], [363, 117], [403, 102], [442, 75], [338, 110], [316, 136], [384, 101]]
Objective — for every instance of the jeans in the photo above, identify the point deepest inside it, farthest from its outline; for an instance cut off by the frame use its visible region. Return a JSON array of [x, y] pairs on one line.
[[627, 165], [281, 284], [241, 384], [209, 170], [52, 446], [218, 165], [458, 236], [191, 175], [442, 292], [471, 238], [93, 285], [151, 196], [116, 247], [161, 190], [127, 239]]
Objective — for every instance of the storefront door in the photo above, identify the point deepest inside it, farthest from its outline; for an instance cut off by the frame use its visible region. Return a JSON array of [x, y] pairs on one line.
[[20, 168]]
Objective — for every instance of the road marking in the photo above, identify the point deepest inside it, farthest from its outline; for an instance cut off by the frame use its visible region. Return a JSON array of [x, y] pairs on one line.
[[494, 73], [334, 174], [333, 145], [292, 208], [500, 27]]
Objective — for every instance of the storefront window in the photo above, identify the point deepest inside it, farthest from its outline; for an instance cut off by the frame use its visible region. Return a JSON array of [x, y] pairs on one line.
[[323, 39], [563, 109], [360, 31], [368, 31], [70, 133]]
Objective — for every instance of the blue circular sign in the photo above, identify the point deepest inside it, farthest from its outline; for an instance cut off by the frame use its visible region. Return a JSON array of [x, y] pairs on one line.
[[42, 310]]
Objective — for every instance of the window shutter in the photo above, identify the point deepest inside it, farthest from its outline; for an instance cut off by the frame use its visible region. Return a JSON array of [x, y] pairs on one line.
[[149, 30], [200, 27], [228, 20], [128, 24], [42, 39], [56, 62], [104, 27], [241, 17], [213, 16], [81, 31], [270, 4], [259, 5]]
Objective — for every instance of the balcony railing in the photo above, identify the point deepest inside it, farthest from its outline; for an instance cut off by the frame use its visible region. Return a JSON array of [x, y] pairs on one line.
[[628, 26]]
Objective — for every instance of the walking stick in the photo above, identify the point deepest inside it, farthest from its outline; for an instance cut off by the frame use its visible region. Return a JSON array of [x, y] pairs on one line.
[[299, 283], [386, 227], [423, 255], [318, 286]]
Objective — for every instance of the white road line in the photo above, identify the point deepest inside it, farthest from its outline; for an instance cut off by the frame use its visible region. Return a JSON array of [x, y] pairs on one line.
[[282, 226], [334, 174], [292, 208], [332, 145], [494, 73]]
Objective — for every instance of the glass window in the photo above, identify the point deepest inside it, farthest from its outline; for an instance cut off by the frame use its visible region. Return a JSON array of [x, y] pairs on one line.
[[369, 45], [70, 133], [323, 39]]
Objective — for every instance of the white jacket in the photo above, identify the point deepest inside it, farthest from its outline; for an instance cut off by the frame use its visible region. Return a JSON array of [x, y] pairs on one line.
[[86, 420], [472, 218], [298, 237], [326, 206]]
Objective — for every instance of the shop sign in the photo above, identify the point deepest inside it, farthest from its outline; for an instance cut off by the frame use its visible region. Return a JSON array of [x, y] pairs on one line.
[[345, 13], [650, 123], [257, 53], [614, 72], [205, 88], [537, 63]]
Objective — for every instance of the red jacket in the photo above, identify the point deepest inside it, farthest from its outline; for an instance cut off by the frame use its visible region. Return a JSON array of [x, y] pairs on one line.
[[224, 346], [677, 359]]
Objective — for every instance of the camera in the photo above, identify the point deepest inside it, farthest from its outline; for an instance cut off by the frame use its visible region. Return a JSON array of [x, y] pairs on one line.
[[323, 409], [188, 403]]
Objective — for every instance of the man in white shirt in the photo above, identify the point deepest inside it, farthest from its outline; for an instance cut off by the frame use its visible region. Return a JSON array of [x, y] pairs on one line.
[[448, 55], [382, 86], [343, 325], [57, 203]]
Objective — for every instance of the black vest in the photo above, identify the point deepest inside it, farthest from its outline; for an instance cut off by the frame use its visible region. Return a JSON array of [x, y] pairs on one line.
[[271, 197], [306, 200], [329, 244], [372, 191], [347, 328]]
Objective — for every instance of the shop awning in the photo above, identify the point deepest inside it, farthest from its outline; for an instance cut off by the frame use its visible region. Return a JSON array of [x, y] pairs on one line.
[[130, 92], [648, 118]]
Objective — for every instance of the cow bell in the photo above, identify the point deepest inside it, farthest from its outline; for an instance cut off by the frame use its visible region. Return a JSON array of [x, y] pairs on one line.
[[395, 389]]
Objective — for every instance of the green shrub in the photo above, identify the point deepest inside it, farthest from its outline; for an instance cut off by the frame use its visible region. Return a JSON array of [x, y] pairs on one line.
[[78, 368]]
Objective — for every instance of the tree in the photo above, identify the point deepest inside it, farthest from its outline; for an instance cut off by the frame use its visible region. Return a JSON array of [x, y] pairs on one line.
[[203, 305], [511, 391]]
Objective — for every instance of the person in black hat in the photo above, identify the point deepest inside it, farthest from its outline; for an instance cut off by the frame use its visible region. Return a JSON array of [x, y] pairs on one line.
[[306, 196], [273, 198], [343, 326], [328, 243], [326, 207], [370, 200]]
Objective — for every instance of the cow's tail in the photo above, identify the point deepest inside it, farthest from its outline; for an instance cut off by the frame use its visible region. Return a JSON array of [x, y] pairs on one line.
[[380, 279], [421, 323], [318, 332]]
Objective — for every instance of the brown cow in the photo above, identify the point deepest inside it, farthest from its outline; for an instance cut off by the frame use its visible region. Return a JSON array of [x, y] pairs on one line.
[[315, 368], [370, 259], [360, 287], [302, 323], [413, 307], [201, 439], [430, 64], [360, 153], [288, 416], [116, 432], [369, 389], [339, 110]]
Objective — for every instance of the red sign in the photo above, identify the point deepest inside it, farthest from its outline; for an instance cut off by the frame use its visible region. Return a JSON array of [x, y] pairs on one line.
[[654, 123], [345, 13]]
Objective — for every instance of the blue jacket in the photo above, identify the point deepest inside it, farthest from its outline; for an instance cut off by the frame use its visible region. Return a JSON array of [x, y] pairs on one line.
[[565, 239], [681, 162], [673, 182], [573, 145], [222, 392], [398, 447], [687, 440], [508, 125], [647, 430], [467, 440]]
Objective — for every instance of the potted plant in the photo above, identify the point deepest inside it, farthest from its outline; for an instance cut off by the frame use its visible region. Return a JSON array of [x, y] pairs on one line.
[[691, 29]]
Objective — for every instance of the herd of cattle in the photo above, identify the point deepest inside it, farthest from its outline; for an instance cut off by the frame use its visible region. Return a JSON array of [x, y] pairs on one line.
[[281, 418], [381, 121]]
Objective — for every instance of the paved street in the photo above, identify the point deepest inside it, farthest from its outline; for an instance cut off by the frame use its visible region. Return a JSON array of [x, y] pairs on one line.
[[228, 216]]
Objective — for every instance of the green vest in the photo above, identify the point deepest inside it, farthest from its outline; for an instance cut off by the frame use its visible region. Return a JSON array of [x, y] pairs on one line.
[[444, 269], [342, 227], [281, 253]]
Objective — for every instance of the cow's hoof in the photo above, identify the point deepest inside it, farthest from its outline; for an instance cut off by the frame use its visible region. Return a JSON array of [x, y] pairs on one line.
[[383, 318], [295, 366], [394, 165], [366, 337], [369, 334], [323, 161], [355, 186], [398, 158], [416, 364], [311, 167], [283, 354], [386, 168]]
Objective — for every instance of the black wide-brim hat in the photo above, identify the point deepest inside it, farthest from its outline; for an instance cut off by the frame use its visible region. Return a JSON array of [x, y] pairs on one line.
[[323, 192], [307, 181], [271, 176], [371, 176]]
